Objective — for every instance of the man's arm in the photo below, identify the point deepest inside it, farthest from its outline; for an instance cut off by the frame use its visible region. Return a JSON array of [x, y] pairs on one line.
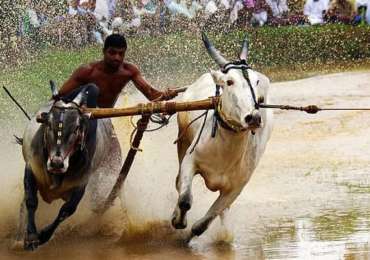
[[77, 79], [141, 84]]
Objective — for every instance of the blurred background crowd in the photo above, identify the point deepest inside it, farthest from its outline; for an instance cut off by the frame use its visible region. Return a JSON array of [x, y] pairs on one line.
[[79, 22]]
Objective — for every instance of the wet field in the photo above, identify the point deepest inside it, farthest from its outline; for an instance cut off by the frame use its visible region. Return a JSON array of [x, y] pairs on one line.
[[308, 199]]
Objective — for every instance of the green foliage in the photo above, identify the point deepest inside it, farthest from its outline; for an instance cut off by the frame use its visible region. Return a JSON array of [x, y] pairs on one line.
[[270, 47]]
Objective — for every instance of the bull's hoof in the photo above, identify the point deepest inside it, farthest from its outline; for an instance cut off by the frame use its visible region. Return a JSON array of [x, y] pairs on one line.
[[31, 242], [178, 224], [45, 235]]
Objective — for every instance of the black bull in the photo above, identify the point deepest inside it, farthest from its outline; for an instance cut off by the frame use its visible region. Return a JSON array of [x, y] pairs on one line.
[[61, 147]]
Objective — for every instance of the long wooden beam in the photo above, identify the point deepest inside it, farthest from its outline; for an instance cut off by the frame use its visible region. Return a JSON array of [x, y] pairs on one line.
[[149, 108]]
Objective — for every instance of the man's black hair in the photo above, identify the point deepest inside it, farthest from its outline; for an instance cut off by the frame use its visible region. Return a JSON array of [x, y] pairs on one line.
[[116, 41]]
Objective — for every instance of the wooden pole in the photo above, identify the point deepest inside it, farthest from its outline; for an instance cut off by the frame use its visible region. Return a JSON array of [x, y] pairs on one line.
[[142, 125], [168, 107]]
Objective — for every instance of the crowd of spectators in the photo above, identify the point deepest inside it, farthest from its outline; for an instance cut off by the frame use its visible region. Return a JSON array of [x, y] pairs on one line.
[[84, 21]]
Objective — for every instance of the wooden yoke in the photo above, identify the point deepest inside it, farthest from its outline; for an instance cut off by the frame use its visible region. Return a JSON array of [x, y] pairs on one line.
[[167, 107]]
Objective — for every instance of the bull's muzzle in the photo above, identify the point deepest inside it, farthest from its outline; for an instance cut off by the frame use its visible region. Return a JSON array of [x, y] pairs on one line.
[[253, 120], [56, 165]]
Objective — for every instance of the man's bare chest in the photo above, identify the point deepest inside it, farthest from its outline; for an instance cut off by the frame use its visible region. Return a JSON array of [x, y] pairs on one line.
[[109, 83]]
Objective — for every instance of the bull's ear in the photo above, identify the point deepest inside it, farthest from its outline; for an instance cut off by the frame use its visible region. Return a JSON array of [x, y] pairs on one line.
[[218, 77], [42, 117]]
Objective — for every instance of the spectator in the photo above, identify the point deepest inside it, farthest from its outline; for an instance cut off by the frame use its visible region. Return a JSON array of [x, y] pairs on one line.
[[211, 8], [260, 13], [238, 5], [363, 10], [315, 10], [225, 3], [341, 11], [278, 7]]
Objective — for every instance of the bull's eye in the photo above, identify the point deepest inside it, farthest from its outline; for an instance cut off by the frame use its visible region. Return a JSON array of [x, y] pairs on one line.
[[258, 81], [261, 99], [229, 82]]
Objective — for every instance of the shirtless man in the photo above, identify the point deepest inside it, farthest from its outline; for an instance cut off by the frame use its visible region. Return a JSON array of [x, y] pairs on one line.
[[104, 80], [111, 75]]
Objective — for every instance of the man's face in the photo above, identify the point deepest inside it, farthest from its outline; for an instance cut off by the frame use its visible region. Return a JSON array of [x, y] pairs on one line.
[[113, 57]]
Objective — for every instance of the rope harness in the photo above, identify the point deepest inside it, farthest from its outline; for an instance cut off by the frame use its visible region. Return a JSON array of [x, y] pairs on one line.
[[219, 116], [79, 141]]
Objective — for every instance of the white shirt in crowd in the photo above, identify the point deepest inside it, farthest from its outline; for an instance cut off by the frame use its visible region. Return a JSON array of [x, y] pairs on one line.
[[361, 3], [367, 4], [314, 10], [278, 7], [34, 21], [234, 13]]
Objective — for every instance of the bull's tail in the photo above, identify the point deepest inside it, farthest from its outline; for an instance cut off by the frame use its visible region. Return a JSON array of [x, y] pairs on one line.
[[18, 140]]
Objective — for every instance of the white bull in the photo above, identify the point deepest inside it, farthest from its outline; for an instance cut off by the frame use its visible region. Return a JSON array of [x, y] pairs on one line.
[[227, 160]]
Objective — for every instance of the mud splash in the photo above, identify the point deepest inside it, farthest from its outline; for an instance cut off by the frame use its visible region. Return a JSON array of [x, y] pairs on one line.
[[308, 199]]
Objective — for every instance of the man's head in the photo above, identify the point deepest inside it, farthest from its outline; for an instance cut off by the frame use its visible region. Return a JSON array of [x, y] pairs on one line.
[[114, 50]]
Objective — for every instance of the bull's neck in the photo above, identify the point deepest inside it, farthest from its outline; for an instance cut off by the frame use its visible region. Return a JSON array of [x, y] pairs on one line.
[[236, 140]]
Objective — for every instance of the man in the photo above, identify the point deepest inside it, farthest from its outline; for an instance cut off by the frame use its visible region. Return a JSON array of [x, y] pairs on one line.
[[314, 10], [104, 80], [341, 11], [111, 75]]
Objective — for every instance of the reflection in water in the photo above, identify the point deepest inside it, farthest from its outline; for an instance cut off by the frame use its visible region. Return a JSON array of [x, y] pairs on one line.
[[333, 235]]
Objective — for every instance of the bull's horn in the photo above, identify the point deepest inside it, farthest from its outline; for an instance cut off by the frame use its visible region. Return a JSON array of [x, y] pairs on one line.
[[244, 52], [213, 52], [80, 98], [54, 91]]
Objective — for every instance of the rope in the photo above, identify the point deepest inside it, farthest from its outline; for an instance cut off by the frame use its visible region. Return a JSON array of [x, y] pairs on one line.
[[181, 135], [313, 109], [200, 133], [155, 118], [163, 122]]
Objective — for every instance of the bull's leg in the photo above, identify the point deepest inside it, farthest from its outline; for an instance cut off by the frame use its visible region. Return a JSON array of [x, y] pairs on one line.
[[31, 241], [66, 211], [22, 222], [183, 185], [223, 201]]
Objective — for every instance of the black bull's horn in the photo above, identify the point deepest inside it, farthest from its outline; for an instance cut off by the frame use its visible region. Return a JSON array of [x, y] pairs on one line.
[[244, 52], [213, 52], [217, 57], [81, 98]]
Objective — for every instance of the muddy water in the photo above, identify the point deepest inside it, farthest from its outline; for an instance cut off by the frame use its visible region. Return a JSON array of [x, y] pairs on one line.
[[308, 199]]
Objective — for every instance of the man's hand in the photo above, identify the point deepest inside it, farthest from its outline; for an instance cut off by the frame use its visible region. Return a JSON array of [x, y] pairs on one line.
[[168, 94]]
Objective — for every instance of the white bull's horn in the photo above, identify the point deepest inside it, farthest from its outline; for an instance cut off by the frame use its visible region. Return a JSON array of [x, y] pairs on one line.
[[244, 52], [213, 52]]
